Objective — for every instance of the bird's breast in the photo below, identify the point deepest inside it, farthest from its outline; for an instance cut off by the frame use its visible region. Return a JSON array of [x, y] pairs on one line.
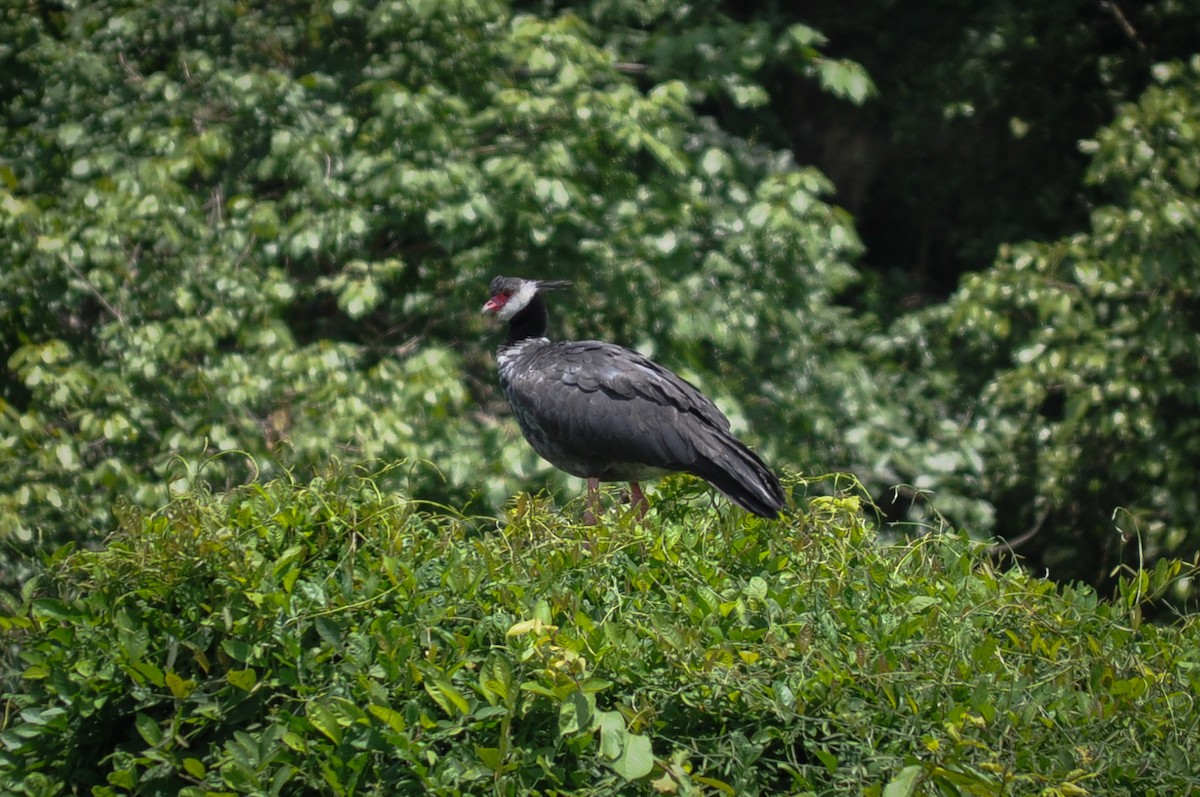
[[512, 359]]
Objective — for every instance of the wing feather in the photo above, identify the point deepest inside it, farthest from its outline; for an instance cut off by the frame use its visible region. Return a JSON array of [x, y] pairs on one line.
[[608, 403], [596, 409]]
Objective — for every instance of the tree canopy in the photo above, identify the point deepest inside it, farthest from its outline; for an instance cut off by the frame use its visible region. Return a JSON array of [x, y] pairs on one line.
[[1078, 357], [270, 238]]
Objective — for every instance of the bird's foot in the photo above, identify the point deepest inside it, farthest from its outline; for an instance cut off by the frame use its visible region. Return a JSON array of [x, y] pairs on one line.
[[636, 497]]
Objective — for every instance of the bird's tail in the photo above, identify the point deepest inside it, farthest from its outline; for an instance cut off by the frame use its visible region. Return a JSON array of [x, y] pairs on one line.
[[738, 472]]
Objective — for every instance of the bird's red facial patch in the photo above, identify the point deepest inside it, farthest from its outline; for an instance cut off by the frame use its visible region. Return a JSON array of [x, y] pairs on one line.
[[497, 302]]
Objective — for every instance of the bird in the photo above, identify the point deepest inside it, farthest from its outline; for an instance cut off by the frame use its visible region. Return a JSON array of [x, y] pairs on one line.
[[606, 413]]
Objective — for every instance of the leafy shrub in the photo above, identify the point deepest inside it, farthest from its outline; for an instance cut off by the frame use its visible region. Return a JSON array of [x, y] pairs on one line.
[[330, 638]]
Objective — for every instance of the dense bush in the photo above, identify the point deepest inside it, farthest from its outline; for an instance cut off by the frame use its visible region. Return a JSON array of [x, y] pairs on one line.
[[332, 639]]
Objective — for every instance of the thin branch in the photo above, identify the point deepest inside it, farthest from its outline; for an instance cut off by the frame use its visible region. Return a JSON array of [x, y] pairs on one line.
[[1123, 23], [133, 76], [1010, 546], [245, 253], [216, 207], [117, 314]]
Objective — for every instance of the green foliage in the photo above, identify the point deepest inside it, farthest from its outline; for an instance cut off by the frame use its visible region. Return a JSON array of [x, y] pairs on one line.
[[971, 141], [726, 54], [268, 230], [1079, 359], [334, 639]]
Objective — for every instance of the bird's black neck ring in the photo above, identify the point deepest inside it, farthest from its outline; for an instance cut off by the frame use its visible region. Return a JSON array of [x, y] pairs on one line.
[[530, 322]]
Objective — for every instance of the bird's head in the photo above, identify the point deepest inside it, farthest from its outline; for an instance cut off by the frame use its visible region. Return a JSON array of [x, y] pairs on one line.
[[511, 295]]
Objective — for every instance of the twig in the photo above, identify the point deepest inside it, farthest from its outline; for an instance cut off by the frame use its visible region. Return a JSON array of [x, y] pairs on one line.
[[1123, 22], [1011, 545], [117, 314], [245, 253], [133, 75]]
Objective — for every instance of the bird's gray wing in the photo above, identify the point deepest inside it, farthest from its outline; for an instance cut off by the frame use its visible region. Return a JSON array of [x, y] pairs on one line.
[[613, 404]]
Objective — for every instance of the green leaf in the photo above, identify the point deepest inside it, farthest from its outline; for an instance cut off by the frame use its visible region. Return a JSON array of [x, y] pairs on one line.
[[330, 630], [496, 678], [69, 134], [237, 649], [804, 36], [242, 679], [637, 759], [490, 756], [38, 716], [612, 733], [53, 609], [324, 719], [919, 603], [148, 671], [180, 687], [148, 728], [445, 693], [394, 719], [719, 785], [846, 79], [905, 782], [576, 714], [827, 758]]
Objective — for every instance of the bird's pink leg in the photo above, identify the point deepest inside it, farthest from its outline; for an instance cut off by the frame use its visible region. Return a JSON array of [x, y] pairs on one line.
[[592, 512], [638, 499]]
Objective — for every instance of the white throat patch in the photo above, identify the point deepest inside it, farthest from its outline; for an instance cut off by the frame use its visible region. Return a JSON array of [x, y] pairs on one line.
[[517, 302]]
